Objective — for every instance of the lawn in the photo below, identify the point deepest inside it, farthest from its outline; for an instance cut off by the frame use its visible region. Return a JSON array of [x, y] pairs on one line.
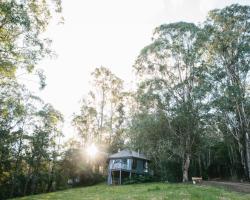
[[154, 191]]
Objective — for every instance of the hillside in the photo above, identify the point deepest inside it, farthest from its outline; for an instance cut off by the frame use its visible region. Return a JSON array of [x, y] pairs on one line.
[[154, 191]]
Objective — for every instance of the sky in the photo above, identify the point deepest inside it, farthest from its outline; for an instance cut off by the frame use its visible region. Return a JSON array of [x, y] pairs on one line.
[[107, 33]]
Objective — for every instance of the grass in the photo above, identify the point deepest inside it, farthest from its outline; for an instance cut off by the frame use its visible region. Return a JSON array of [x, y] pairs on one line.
[[153, 191]]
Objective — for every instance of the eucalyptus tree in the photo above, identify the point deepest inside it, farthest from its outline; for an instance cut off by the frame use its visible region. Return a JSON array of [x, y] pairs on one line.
[[21, 26], [227, 53], [22, 46], [107, 95], [170, 73], [12, 113], [29, 130], [102, 112], [86, 123], [43, 148]]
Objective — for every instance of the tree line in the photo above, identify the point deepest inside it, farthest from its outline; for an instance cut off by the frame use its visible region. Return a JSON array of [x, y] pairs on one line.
[[189, 112], [30, 129], [194, 82]]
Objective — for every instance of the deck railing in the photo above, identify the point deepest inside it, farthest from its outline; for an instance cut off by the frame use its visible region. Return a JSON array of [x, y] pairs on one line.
[[120, 166]]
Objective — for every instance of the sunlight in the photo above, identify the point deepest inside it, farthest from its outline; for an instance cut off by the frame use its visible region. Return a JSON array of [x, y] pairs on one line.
[[92, 150]]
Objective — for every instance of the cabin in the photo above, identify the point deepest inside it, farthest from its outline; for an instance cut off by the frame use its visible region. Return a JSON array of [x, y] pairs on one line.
[[125, 164]]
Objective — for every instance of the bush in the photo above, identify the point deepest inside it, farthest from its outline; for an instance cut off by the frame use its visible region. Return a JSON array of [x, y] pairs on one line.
[[89, 178], [138, 179]]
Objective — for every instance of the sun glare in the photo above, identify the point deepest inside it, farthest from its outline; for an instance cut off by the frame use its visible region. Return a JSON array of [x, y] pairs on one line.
[[92, 150]]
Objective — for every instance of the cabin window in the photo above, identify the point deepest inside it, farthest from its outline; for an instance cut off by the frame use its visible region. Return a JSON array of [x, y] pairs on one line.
[[134, 164], [145, 166], [124, 161], [117, 161]]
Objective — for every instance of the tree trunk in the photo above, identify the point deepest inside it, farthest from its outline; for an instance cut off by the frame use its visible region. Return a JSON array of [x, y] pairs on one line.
[[102, 110], [247, 156], [200, 167], [185, 168], [51, 179], [27, 182], [16, 169], [33, 183]]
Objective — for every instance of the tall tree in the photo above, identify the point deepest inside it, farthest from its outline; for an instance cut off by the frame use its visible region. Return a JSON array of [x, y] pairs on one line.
[[228, 53], [102, 112], [43, 142], [22, 45], [171, 72]]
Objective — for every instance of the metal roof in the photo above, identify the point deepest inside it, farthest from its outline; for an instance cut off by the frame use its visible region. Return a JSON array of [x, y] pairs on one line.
[[126, 153]]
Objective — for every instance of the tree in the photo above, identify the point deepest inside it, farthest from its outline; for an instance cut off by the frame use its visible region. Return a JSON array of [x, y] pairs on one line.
[[21, 47], [108, 95], [30, 131], [228, 52], [12, 117], [21, 26], [43, 147], [172, 81], [102, 112]]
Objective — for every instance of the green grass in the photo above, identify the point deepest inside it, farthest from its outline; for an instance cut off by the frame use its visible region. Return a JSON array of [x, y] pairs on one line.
[[154, 191]]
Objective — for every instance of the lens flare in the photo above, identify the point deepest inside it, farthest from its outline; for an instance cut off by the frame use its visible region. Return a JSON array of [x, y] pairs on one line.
[[92, 150]]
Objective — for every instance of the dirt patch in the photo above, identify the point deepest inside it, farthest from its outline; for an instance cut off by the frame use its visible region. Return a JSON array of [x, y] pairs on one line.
[[232, 186]]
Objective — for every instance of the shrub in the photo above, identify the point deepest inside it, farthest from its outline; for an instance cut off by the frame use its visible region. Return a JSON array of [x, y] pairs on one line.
[[138, 179]]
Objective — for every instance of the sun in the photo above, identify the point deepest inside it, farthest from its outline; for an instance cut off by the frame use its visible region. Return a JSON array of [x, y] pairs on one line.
[[92, 150]]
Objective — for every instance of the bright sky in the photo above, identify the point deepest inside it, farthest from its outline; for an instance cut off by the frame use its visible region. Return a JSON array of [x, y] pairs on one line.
[[107, 33]]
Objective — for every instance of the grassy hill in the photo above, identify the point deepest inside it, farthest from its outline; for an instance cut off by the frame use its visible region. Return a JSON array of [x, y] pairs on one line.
[[155, 191]]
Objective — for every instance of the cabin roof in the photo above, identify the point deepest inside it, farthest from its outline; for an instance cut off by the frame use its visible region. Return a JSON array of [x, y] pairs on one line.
[[126, 153]]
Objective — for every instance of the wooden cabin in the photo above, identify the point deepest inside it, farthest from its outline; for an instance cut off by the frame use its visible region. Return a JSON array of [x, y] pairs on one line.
[[125, 164]]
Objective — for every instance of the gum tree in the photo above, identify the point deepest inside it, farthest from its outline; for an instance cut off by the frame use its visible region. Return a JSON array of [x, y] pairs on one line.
[[170, 73]]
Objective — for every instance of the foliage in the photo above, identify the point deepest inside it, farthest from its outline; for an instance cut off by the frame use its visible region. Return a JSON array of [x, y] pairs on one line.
[[189, 112], [77, 167], [168, 70], [29, 144], [101, 117], [229, 51], [139, 179], [193, 96], [30, 129], [21, 26]]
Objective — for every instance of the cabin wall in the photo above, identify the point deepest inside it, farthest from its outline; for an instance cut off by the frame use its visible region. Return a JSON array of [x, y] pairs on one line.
[[130, 163], [139, 166]]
